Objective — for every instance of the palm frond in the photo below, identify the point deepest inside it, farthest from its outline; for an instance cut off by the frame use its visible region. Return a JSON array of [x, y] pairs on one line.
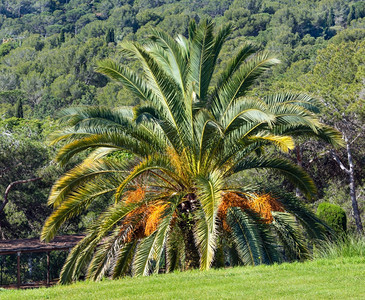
[[201, 65], [246, 236], [105, 255], [175, 248], [150, 249], [291, 171], [284, 143], [85, 172], [315, 227], [125, 76], [69, 271], [246, 111], [75, 203], [156, 162], [166, 89], [240, 82], [234, 64], [325, 133], [209, 193], [124, 259], [116, 141], [290, 236], [177, 57]]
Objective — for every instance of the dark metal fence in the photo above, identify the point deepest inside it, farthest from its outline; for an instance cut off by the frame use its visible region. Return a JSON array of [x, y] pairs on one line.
[[33, 267]]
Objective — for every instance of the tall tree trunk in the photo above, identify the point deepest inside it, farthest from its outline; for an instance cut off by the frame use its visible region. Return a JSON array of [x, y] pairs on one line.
[[355, 206], [351, 174]]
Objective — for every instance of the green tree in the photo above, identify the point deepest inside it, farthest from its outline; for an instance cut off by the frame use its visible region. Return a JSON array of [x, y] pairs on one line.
[[175, 198], [338, 77], [19, 109], [331, 18], [24, 178], [62, 37], [110, 36], [351, 15]]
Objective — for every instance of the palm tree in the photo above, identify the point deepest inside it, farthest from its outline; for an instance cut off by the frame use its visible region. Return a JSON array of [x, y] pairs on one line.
[[173, 203]]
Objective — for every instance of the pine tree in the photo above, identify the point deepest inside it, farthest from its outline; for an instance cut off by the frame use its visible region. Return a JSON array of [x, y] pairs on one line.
[[62, 36], [19, 109], [110, 37], [331, 18], [351, 15]]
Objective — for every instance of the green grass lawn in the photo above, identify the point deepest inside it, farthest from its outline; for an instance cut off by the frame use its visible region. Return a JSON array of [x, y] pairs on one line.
[[319, 279]]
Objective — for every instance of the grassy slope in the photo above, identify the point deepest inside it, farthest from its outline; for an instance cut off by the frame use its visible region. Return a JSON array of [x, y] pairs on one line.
[[320, 279]]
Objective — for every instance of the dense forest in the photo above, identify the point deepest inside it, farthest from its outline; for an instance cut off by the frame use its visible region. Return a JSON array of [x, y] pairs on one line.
[[49, 52]]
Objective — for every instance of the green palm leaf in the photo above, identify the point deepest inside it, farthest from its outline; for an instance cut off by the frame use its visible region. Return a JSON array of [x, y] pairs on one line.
[[177, 58], [116, 141], [246, 236], [125, 76], [201, 63], [315, 227], [292, 172], [234, 64], [105, 256], [238, 84], [69, 272], [75, 203], [290, 236], [85, 172], [124, 259], [209, 192]]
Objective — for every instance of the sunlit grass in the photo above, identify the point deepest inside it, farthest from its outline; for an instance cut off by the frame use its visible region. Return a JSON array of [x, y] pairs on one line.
[[341, 278]]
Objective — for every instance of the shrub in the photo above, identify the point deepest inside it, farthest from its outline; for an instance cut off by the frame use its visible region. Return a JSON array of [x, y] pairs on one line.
[[334, 216]]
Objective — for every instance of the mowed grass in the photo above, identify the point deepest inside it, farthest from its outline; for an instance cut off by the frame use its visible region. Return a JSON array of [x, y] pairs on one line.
[[341, 278]]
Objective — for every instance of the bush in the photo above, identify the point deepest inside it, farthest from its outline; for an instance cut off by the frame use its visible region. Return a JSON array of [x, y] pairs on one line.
[[334, 216]]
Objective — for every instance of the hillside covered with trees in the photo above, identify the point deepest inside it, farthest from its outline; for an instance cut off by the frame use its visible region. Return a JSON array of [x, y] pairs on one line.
[[49, 53]]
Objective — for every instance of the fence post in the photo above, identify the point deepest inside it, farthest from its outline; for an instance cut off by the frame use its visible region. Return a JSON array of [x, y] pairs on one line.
[[48, 267], [18, 269], [2, 267]]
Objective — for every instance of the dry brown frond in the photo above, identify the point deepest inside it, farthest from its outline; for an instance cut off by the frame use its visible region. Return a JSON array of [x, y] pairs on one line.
[[263, 205], [142, 221], [230, 199], [134, 222], [134, 196], [154, 218]]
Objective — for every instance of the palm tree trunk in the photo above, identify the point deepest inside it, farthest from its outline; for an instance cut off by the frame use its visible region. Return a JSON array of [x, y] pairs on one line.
[[186, 225], [191, 251]]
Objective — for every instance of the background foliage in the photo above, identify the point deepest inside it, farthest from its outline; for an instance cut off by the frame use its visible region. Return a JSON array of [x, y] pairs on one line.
[[48, 56]]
